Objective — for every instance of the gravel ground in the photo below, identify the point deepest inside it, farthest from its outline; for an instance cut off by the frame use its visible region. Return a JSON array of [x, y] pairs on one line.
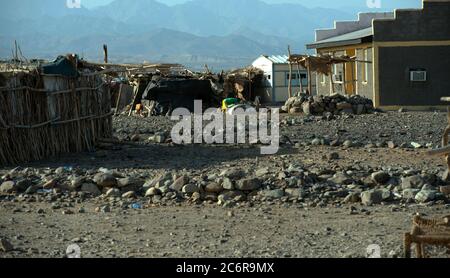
[[274, 230], [421, 127], [319, 224]]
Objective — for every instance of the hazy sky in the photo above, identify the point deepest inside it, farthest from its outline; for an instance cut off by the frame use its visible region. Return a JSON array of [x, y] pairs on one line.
[[309, 3]]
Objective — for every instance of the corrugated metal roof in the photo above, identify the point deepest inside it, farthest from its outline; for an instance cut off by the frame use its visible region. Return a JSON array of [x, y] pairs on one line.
[[278, 59], [345, 39]]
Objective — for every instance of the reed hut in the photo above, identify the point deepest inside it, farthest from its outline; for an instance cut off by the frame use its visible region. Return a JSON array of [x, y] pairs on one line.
[[48, 114]]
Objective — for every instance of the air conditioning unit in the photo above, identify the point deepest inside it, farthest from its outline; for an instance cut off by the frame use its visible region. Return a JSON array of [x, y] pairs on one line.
[[418, 75], [338, 78]]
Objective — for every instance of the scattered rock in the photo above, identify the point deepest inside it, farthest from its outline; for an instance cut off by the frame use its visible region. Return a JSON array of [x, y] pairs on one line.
[[129, 182], [445, 190], [152, 192], [190, 189], [213, 188], [8, 187], [6, 246], [341, 178], [129, 195], [391, 145], [316, 142], [333, 156], [295, 192], [179, 183], [67, 212], [371, 197], [233, 174], [415, 181], [113, 192], [105, 180], [91, 189], [410, 193], [249, 184], [347, 144], [275, 194], [227, 184], [103, 209], [262, 172], [76, 182], [353, 198], [425, 196], [381, 177], [416, 145], [49, 184]]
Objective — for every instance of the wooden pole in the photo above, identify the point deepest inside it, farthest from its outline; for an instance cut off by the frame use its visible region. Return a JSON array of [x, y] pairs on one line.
[[300, 78], [309, 76], [332, 83], [352, 76], [16, 57], [250, 87], [105, 52], [136, 91], [344, 81], [290, 72], [118, 99]]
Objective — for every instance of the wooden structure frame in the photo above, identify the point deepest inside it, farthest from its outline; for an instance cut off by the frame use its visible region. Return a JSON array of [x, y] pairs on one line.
[[445, 150], [432, 232], [319, 64], [427, 232]]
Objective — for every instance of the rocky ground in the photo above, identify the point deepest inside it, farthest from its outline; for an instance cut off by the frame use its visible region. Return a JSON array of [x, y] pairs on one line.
[[337, 185]]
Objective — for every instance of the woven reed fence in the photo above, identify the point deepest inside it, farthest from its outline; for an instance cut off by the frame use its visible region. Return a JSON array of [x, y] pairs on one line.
[[43, 116]]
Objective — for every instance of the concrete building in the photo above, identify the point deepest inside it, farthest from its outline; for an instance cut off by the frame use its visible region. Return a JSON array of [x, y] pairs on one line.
[[403, 57], [276, 78]]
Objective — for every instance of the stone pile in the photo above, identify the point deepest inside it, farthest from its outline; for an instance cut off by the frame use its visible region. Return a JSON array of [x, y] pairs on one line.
[[334, 105], [295, 184]]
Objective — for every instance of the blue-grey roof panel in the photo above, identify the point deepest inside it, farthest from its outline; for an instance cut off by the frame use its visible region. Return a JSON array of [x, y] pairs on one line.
[[351, 38], [278, 59]]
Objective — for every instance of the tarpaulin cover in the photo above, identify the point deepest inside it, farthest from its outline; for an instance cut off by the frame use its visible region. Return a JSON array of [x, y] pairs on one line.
[[179, 92], [61, 66]]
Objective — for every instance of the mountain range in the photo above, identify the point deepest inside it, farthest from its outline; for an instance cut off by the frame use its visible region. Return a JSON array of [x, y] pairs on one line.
[[220, 33]]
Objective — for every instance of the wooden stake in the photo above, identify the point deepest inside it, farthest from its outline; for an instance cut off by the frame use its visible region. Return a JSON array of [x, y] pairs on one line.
[[332, 83], [15, 51], [353, 92], [309, 77], [290, 72], [300, 78], [136, 91], [118, 99], [105, 52]]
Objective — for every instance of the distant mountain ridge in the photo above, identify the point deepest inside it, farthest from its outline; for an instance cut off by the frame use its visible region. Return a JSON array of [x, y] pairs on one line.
[[222, 33]]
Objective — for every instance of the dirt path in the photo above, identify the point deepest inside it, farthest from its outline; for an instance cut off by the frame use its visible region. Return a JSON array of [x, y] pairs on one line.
[[188, 231]]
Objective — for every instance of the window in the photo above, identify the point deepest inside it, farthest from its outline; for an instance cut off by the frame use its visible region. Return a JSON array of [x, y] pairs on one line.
[[365, 66], [296, 79], [324, 79], [338, 75]]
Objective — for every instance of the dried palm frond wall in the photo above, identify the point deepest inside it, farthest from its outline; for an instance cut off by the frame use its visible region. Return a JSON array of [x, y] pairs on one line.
[[47, 115]]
